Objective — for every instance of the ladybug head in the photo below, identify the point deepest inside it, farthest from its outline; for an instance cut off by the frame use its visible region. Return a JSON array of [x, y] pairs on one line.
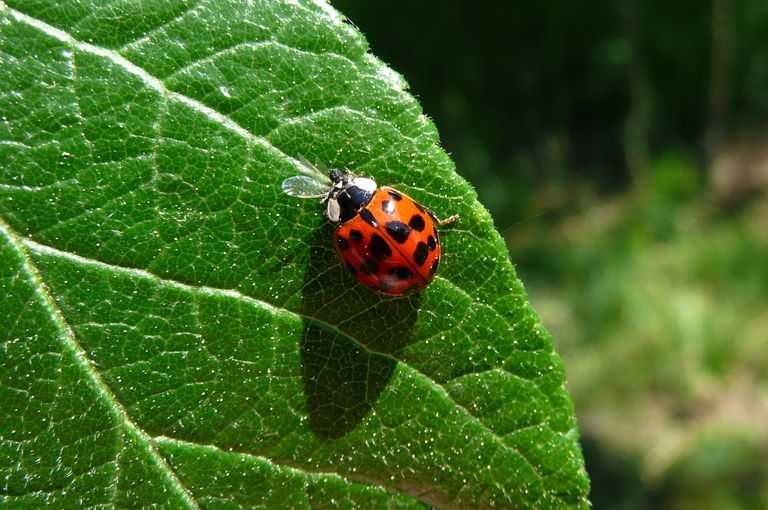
[[348, 195], [337, 175]]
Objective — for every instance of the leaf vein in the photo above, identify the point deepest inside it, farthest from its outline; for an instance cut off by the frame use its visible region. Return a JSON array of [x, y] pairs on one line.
[[149, 80], [146, 35], [300, 471], [277, 310], [69, 342]]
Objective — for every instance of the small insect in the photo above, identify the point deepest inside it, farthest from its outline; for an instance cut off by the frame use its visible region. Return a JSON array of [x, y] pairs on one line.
[[387, 240]]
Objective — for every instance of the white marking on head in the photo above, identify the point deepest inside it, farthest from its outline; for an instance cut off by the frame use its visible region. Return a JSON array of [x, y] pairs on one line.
[[333, 211], [365, 184]]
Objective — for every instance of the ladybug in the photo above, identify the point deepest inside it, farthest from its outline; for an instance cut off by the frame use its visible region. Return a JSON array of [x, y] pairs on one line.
[[386, 239]]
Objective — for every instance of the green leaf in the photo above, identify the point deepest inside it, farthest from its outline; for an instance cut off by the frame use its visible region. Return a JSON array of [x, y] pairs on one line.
[[177, 332]]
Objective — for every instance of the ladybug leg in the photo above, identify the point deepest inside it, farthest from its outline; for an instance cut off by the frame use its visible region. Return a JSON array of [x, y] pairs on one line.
[[437, 220]]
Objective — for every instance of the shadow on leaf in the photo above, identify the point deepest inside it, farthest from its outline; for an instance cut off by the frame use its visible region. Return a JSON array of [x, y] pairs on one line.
[[349, 339]]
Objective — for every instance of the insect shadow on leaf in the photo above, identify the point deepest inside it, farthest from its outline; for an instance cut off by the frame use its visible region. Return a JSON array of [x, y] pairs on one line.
[[349, 340]]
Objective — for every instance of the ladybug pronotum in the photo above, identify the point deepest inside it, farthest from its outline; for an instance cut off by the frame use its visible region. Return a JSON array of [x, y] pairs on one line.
[[387, 240]]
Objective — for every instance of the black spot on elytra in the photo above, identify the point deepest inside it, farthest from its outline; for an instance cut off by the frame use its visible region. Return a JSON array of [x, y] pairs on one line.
[[417, 222], [356, 236], [398, 230], [433, 269], [395, 195], [400, 272], [351, 269], [379, 247], [367, 217], [369, 267], [342, 242], [432, 243], [388, 206], [420, 255]]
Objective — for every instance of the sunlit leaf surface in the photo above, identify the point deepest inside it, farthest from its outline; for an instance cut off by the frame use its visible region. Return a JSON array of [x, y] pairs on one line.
[[176, 331]]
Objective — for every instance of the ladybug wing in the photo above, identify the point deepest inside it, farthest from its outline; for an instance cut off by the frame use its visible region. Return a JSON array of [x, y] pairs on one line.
[[388, 250], [411, 230]]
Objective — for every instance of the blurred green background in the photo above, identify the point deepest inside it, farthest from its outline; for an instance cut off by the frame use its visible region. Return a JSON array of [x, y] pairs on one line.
[[622, 148]]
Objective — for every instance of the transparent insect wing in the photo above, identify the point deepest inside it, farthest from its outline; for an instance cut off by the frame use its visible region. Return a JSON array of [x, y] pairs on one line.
[[319, 172], [303, 186]]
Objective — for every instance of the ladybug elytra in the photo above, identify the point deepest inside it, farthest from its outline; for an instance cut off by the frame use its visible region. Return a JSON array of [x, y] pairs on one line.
[[387, 240]]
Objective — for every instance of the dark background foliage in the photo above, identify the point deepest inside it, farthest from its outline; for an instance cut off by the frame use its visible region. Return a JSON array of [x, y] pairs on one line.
[[621, 149]]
